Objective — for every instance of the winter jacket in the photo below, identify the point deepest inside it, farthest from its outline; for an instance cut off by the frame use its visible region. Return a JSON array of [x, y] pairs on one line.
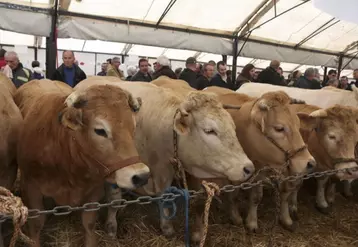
[[165, 70], [202, 82], [59, 75], [139, 76], [21, 75], [219, 82], [303, 82], [38, 74], [271, 76], [112, 71], [190, 77]]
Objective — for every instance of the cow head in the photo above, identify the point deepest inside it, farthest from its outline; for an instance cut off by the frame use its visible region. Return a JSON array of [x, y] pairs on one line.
[[102, 124], [207, 139], [266, 128], [333, 135]]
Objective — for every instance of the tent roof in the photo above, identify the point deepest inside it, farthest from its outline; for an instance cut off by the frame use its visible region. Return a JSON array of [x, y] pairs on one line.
[[293, 31]]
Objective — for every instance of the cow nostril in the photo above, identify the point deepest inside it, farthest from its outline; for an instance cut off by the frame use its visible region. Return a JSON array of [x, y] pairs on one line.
[[140, 180], [311, 165], [248, 170]]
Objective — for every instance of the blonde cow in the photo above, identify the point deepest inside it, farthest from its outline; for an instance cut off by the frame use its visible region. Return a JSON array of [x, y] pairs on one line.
[[324, 98], [207, 143], [266, 129]]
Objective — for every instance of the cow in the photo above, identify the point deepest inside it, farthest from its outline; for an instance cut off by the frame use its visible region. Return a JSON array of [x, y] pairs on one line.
[[10, 125], [266, 129], [331, 135], [69, 149], [207, 143], [324, 98]]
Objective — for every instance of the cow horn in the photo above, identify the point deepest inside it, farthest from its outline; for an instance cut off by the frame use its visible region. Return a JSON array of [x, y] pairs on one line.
[[225, 106], [297, 101], [263, 105], [319, 113], [71, 99]]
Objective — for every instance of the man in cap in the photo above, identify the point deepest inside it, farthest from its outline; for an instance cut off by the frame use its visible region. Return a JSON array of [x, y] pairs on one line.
[[189, 74]]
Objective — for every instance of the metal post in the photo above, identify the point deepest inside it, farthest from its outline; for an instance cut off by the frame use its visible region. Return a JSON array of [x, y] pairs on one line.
[[340, 62], [122, 58], [95, 64], [234, 59], [325, 73], [51, 47], [35, 53], [224, 58]]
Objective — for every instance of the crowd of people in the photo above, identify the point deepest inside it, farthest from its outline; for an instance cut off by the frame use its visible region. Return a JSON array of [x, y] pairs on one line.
[[197, 75]]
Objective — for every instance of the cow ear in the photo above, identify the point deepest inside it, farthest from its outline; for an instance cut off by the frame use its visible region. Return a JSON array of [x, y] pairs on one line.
[[134, 103], [71, 118], [182, 122], [307, 122]]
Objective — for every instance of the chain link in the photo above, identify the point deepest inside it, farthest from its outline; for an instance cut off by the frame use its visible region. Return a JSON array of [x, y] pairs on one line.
[[166, 197]]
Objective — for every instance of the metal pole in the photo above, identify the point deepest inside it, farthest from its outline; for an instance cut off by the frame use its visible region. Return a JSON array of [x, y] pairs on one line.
[[350, 60], [234, 59], [51, 48], [35, 53], [242, 47], [340, 62], [224, 58], [325, 73], [95, 64]]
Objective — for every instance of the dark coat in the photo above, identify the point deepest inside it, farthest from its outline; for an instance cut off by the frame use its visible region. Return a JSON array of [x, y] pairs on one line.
[[241, 80], [165, 70], [271, 76], [303, 82], [102, 73], [21, 75], [219, 82], [190, 77], [202, 82], [139, 76], [59, 74], [352, 83]]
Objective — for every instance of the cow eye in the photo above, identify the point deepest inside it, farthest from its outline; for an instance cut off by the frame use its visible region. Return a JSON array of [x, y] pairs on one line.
[[331, 137], [101, 132], [210, 132], [279, 128]]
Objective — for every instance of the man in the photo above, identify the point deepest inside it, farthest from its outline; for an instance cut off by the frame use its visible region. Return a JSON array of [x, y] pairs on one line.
[[332, 74], [113, 69], [103, 71], [189, 74], [308, 80], [162, 68], [20, 75], [271, 75], [131, 70], [213, 63], [343, 83], [204, 80], [38, 72], [221, 79], [355, 76], [69, 72], [143, 73], [2, 58]]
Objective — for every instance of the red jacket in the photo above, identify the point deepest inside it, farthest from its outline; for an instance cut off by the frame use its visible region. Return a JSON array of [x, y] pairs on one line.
[[2, 62]]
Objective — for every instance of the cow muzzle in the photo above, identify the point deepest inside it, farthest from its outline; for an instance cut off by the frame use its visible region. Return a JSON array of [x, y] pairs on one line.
[[350, 173], [129, 174]]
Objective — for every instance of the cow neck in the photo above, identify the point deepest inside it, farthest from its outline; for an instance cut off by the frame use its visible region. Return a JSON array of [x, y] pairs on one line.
[[334, 161], [288, 153]]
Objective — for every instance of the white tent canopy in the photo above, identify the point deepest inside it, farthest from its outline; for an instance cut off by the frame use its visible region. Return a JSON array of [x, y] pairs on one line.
[[303, 35]]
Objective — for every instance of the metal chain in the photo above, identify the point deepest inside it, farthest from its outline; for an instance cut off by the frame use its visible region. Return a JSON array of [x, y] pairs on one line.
[[166, 197]]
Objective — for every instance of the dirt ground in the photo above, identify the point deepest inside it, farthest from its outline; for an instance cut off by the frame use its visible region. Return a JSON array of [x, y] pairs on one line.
[[139, 227]]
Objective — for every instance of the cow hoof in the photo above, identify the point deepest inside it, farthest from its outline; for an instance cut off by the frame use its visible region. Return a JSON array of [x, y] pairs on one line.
[[325, 211], [294, 215], [236, 221], [111, 230], [292, 228], [196, 237], [168, 231], [255, 230], [347, 195]]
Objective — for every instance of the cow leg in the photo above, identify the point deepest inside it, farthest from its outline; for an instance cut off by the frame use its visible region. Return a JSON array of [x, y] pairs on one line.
[[33, 199], [199, 224], [331, 193], [233, 208], [111, 221], [89, 224], [255, 198], [166, 225], [285, 217], [321, 203], [347, 192], [294, 208]]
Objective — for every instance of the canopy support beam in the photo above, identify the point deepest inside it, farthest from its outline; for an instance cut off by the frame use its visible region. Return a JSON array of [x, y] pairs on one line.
[[197, 54], [167, 9], [126, 49], [247, 22], [319, 30], [350, 60], [246, 30], [234, 59], [51, 43], [340, 62]]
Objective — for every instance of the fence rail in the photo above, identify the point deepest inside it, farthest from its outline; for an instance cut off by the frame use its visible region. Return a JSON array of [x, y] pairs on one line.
[[166, 197]]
